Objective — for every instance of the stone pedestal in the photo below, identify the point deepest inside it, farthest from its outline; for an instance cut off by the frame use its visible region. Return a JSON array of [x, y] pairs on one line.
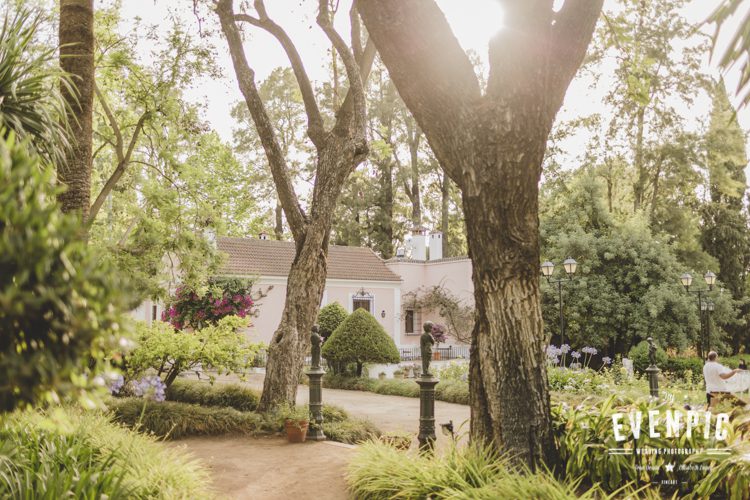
[[315, 433], [427, 412], [653, 380]]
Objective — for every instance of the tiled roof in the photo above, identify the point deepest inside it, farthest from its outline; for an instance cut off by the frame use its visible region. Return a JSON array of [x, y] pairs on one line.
[[416, 261], [251, 256]]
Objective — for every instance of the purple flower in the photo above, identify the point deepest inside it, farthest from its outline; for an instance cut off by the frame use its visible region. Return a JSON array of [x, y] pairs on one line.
[[575, 354], [564, 348], [150, 387], [607, 360], [115, 384]]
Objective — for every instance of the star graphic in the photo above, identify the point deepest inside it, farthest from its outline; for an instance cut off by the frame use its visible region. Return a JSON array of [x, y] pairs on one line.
[[669, 467]]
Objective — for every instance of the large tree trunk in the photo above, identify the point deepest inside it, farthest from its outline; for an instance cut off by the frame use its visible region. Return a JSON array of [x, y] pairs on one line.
[[492, 146], [641, 175], [509, 397], [76, 36], [291, 340]]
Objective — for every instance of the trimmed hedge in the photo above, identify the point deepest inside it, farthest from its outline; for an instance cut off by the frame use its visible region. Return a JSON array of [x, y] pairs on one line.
[[450, 391], [223, 395], [175, 420], [360, 339]]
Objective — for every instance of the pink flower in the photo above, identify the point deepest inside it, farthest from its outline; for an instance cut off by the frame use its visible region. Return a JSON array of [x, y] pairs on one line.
[[242, 314], [172, 312]]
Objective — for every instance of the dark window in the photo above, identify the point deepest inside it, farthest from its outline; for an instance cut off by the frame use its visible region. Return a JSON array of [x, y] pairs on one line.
[[365, 304], [409, 317], [153, 312]]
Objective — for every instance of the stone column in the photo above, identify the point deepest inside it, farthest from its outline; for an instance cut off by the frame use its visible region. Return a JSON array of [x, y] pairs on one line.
[[315, 374]]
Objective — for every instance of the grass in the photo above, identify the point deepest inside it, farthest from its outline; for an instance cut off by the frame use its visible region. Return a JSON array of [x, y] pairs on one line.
[[71, 453], [222, 395], [450, 391], [380, 472]]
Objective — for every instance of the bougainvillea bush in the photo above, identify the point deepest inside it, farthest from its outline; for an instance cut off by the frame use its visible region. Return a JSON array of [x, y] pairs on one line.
[[197, 308]]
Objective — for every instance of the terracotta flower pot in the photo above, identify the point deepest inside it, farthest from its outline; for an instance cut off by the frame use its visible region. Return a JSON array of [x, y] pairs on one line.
[[436, 355], [296, 431]]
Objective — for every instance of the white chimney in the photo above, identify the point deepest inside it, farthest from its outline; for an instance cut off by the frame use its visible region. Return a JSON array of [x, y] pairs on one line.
[[419, 243], [263, 236], [436, 246]]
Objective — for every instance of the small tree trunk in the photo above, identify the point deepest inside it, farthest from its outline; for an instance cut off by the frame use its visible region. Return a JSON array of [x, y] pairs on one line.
[[359, 369], [445, 213], [172, 374]]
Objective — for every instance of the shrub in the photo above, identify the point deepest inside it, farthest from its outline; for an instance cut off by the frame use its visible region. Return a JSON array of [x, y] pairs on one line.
[[197, 308], [224, 395], [74, 454], [350, 431], [639, 355], [584, 435], [175, 420], [171, 352], [379, 471], [681, 366], [582, 381], [58, 300], [330, 317], [360, 339], [450, 391]]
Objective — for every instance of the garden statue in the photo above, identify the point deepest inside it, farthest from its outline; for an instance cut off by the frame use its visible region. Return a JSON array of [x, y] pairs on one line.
[[652, 370], [651, 351], [426, 341], [316, 340]]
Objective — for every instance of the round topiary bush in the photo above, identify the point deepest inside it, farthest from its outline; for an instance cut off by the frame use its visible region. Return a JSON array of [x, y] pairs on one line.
[[360, 339], [330, 317]]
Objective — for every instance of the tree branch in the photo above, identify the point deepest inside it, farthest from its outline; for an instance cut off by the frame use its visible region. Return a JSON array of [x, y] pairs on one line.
[[295, 216], [356, 32], [112, 123], [571, 35], [315, 129], [433, 74], [356, 87], [122, 164]]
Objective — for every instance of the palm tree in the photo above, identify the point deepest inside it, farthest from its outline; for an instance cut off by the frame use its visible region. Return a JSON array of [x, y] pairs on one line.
[[738, 49], [31, 104], [76, 34]]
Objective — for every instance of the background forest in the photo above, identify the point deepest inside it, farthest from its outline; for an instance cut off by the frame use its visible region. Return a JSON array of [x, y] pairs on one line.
[[638, 193]]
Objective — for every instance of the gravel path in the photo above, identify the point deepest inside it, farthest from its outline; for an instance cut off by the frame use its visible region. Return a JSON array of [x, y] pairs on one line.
[[269, 468]]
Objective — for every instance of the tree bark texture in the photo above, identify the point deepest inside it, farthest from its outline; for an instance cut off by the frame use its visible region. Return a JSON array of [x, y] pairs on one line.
[[492, 144], [339, 150], [76, 37]]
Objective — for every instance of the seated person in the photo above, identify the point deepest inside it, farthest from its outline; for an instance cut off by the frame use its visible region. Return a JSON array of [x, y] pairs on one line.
[[715, 374]]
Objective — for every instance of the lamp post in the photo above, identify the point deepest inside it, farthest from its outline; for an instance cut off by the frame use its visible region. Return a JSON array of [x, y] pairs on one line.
[[570, 267], [704, 306], [707, 307]]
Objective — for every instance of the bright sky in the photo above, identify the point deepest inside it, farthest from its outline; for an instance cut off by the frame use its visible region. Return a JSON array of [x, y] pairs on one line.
[[473, 22]]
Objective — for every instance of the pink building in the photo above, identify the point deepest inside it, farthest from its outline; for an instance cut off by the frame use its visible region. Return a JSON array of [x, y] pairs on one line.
[[357, 278]]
